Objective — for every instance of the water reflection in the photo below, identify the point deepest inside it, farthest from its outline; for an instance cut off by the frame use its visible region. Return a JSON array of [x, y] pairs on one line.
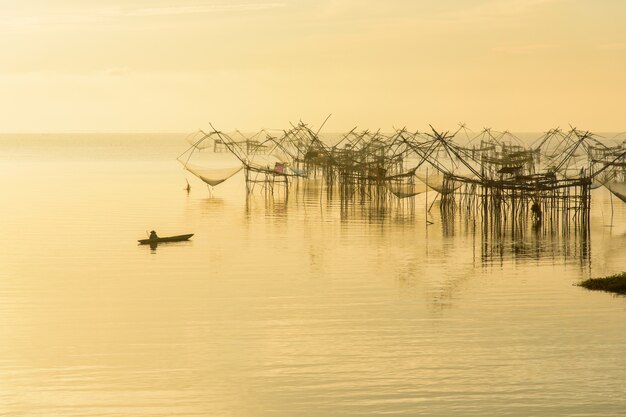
[[495, 239], [153, 246], [519, 238]]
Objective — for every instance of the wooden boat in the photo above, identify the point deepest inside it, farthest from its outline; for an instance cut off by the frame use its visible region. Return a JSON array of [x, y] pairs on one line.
[[178, 238]]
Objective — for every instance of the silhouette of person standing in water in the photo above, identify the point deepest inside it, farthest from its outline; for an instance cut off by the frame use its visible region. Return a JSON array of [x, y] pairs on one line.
[[536, 212]]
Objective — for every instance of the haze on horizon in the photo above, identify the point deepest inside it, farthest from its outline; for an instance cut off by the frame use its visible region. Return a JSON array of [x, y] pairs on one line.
[[177, 65]]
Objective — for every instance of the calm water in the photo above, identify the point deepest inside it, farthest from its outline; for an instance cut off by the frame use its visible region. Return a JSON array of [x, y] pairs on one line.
[[277, 308]]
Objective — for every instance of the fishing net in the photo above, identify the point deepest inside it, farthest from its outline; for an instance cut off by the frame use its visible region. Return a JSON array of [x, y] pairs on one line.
[[617, 188], [436, 182], [407, 190], [212, 175]]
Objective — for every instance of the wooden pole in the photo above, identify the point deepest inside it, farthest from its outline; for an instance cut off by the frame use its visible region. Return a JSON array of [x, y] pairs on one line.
[[426, 205]]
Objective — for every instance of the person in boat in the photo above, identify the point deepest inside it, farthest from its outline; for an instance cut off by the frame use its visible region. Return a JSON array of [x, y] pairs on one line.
[[153, 235]]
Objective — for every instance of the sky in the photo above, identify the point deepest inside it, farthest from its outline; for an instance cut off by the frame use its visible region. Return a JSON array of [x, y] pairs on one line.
[[138, 65]]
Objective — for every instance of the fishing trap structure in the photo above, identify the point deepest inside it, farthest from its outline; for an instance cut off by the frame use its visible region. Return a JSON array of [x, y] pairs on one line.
[[492, 175]]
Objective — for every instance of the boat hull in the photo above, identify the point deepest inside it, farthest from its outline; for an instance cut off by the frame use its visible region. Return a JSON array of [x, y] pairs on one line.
[[178, 238]]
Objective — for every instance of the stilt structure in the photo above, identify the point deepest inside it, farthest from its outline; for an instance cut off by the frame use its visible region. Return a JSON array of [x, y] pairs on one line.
[[493, 177]]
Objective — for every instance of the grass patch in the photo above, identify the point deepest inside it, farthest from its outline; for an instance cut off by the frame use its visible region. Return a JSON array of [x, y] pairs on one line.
[[614, 283]]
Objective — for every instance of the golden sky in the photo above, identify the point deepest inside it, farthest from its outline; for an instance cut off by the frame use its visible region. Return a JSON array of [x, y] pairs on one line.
[[114, 65]]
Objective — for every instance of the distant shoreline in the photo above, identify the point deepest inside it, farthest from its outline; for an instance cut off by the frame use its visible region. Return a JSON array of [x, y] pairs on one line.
[[598, 132]]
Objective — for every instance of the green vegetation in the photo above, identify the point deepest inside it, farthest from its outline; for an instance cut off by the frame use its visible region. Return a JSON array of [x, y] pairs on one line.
[[614, 283]]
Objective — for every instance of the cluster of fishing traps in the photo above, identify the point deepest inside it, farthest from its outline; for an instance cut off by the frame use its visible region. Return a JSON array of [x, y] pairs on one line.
[[490, 172]]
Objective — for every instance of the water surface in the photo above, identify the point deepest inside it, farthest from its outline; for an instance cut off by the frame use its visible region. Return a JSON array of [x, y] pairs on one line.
[[296, 307]]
